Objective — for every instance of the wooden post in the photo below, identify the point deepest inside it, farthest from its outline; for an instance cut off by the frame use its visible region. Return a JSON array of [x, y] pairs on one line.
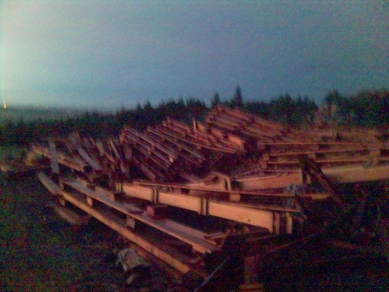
[[62, 201], [89, 201], [130, 222]]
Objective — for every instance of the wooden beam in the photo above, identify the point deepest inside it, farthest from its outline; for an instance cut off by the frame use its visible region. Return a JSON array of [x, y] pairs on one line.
[[149, 140], [191, 203], [164, 135], [139, 192], [94, 164], [195, 142], [147, 148], [245, 213], [109, 220], [199, 244], [356, 173], [336, 174], [48, 183], [54, 157], [269, 182], [205, 190], [63, 159]]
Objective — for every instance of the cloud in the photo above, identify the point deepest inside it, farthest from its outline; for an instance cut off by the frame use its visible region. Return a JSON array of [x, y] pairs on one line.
[[154, 49]]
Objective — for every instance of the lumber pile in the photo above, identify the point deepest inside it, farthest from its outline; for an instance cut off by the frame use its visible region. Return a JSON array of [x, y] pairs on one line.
[[234, 166], [234, 183], [244, 149]]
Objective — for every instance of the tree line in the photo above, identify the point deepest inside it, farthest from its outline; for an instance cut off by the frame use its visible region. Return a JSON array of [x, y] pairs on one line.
[[366, 108]]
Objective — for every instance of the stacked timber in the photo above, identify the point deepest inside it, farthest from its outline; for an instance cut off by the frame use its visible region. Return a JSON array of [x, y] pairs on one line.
[[248, 153], [233, 157], [233, 184]]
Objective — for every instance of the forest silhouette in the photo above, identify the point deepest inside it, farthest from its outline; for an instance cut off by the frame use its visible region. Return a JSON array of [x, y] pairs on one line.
[[366, 108]]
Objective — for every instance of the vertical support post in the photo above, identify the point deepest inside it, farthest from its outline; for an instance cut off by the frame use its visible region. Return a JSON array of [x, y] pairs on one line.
[[54, 161], [155, 196], [89, 201], [289, 223], [62, 201], [203, 206], [130, 222], [119, 187], [276, 223]]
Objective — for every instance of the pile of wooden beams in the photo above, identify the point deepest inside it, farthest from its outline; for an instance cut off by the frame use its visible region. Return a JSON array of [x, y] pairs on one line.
[[248, 175], [232, 161], [247, 152]]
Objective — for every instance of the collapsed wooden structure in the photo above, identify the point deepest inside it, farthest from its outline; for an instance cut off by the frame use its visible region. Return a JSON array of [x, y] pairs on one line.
[[236, 186]]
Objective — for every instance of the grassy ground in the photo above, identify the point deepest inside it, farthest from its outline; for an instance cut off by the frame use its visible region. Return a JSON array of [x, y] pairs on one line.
[[41, 252], [29, 114], [7, 152]]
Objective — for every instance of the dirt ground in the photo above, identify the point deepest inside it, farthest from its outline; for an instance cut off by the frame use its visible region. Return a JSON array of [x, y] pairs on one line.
[[39, 251]]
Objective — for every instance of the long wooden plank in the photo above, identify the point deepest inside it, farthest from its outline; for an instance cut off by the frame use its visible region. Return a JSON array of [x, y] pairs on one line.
[[205, 190], [329, 151], [230, 125], [194, 142], [148, 170], [139, 192], [356, 173], [48, 183], [243, 132], [198, 244], [270, 182], [254, 215], [181, 201], [94, 164], [162, 134], [166, 256], [341, 174], [239, 142], [54, 157], [62, 158], [326, 161], [148, 139], [242, 115], [245, 215], [159, 158]]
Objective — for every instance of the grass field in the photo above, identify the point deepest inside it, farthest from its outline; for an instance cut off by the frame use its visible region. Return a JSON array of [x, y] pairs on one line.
[[41, 252], [16, 114], [13, 152]]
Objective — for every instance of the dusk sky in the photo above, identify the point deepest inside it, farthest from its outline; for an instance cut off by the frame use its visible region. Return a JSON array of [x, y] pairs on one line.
[[109, 54]]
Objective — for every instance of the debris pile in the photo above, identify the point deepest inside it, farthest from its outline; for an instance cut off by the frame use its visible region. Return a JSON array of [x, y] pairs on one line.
[[231, 142], [235, 182]]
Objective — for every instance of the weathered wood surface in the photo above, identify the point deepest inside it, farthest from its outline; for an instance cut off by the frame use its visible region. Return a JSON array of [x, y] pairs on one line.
[[48, 183], [168, 255], [256, 215], [198, 244]]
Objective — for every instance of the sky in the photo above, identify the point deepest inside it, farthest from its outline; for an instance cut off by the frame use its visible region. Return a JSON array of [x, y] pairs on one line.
[[114, 54]]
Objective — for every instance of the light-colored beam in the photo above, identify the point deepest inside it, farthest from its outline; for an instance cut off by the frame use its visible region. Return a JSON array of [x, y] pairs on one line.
[[166, 256], [139, 192], [48, 183], [261, 216], [256, 217], [54, 158], [268, 182], [356, 173], [94, 164], [184, 234]]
